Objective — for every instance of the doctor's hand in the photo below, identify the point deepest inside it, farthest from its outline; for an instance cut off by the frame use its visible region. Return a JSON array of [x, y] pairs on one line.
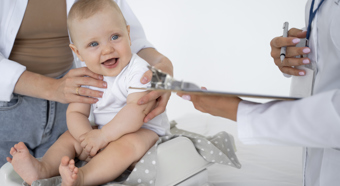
[[223, 106], [292, 51], [93, 141], [68, 88]]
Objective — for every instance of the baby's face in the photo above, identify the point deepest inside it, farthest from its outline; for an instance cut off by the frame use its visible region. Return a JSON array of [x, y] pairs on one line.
[[102, 41]]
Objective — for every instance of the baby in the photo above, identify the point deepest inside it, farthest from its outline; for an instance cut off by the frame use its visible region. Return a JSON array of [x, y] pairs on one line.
[[101, 38]]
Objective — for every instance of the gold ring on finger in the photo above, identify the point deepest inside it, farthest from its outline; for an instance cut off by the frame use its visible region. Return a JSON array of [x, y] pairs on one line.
[[77, 91]]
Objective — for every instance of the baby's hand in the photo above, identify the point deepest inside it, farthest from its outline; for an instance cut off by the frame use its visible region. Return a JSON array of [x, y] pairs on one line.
[[93, 141]]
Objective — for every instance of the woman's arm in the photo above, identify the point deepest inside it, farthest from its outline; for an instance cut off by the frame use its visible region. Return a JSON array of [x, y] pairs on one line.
[[63, 90], [141, 46]]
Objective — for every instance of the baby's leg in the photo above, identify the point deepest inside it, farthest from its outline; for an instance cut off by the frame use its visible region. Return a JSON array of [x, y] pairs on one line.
[[30, 169], [114, 159]]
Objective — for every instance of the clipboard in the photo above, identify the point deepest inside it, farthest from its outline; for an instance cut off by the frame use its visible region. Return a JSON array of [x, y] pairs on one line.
[[163, 82]]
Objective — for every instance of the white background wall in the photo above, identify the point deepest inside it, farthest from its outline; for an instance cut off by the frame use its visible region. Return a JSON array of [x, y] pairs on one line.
[[220, 44]]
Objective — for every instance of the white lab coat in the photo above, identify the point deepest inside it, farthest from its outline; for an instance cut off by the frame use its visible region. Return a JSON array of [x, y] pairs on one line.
[[312, 122], [11, 15]]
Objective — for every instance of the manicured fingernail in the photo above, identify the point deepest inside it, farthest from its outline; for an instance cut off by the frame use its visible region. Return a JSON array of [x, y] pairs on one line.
[[141, 102], [101, 77], [301, 73], [296, 40], [104, 84], [186, 97], [144, 80], [305, 61], [147, 120], [306, 50], [101, 94]]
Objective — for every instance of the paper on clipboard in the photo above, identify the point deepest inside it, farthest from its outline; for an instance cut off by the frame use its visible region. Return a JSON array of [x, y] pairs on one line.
[[164, 82]]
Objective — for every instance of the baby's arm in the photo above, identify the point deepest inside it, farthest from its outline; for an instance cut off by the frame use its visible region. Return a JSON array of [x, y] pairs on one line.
[[129, 119], [77, 119]]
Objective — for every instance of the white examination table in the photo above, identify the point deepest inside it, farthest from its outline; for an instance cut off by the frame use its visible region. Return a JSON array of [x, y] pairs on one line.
[[261, 165], [189, 171]]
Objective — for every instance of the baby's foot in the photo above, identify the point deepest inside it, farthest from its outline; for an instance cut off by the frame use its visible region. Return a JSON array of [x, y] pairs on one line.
[[68, 172], [24, 163]]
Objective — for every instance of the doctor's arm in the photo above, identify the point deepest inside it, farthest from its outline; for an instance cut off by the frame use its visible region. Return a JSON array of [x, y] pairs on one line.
[[310, 122]]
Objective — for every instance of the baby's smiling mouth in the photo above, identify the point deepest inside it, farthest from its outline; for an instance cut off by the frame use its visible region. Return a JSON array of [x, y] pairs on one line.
[[110, 62]]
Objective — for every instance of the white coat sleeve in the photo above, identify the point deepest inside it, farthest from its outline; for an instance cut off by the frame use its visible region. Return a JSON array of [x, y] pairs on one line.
[[138, 38], [310, 122], [10, 72]]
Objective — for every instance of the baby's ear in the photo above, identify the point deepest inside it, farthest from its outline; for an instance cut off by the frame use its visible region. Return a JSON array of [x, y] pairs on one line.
[[76, 51]]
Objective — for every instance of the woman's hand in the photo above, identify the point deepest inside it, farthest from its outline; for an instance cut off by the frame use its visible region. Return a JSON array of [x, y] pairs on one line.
[[223, 106], [68, 89], [156, 59], [292, 51], [161, 98]]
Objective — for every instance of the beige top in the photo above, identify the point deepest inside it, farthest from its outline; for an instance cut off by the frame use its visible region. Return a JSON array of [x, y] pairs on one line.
[[42, 41]]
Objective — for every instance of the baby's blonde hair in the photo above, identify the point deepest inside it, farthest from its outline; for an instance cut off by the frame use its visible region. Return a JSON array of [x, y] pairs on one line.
[[83, 9]]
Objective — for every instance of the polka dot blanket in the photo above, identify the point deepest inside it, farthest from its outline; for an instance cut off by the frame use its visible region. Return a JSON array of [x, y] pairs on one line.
[[219, 148]]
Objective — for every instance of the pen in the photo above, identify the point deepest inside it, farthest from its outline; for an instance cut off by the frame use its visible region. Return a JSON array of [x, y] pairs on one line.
[[285, 34]]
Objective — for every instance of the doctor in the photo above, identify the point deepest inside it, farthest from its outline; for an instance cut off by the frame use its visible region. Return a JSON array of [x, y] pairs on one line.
[[36, 81], [312, 122]]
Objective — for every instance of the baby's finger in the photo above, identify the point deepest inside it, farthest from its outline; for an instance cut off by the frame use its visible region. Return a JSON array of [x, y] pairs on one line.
[[83, 144], [88, 148], [93, 151]]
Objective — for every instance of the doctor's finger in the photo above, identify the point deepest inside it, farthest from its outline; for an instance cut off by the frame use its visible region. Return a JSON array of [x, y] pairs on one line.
[[290, 52], [279, 42], [292, 71], [291, 61], [297, 51], [294, 32]]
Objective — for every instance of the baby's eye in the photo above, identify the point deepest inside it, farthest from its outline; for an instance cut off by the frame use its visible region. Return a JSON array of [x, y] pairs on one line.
[[93, 44], [114, 37]]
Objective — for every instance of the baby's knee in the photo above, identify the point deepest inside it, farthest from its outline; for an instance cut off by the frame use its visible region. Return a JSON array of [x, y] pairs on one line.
[[140, 142]]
